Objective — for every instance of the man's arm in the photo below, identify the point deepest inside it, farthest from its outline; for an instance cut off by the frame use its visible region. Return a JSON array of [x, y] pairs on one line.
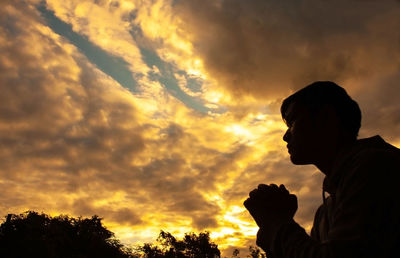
[[280, 236], [363, 222], [271, 207]]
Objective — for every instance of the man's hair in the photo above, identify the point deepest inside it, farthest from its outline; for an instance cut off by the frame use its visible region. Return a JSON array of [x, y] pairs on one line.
[[320, 94]]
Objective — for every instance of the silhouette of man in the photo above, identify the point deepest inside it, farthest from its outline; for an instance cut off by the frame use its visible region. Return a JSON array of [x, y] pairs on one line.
[[360, 214]]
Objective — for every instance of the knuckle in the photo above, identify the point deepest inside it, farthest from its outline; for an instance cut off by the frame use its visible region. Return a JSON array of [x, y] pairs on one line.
[[273, 186], [253, 192], [262, 186]]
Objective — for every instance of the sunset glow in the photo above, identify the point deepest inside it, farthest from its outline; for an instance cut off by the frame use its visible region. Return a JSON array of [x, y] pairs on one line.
[[163, 115]]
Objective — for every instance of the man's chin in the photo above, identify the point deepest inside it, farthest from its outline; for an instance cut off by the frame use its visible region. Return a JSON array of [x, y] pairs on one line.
[[299, 160]]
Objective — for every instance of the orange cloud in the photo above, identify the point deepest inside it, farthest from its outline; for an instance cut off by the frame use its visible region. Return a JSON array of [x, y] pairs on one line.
[[75, 141], [266, 48]]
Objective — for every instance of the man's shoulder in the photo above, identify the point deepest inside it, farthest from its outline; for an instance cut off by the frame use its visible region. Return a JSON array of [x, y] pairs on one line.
[[374, 161], [368, 161], [374, 151]]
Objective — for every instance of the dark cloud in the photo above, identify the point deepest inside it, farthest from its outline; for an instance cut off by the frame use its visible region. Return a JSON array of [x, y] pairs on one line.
[[63, 125], [264, 48], [67, 129], [381, 109], [73, 140], [204, 221], [124, 216]]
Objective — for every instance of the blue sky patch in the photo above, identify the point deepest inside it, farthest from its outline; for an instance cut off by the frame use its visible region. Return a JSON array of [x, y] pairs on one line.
[[115, 67]]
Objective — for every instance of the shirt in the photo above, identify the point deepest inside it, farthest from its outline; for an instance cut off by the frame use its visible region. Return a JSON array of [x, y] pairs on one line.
[[361, 215]]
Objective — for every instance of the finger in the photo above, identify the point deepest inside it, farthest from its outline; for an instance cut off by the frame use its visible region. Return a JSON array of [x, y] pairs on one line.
[[249, 204], [264, 190], [273, 186], [293, 199], [251, 207], [283, 189], [273, 190], [246, 203], [267, 191], [263, 187], [254, 193]]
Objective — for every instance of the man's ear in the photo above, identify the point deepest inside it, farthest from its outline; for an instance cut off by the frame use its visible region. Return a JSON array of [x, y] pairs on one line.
[[328, 119]]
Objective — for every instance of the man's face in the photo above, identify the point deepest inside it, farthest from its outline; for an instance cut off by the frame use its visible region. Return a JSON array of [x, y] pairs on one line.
[[303, 137]]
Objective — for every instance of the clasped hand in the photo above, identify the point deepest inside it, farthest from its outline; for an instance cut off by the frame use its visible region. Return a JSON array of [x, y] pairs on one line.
[[271, 206]]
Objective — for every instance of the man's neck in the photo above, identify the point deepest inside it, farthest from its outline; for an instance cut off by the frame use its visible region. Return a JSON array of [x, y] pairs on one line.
[[328, 159]]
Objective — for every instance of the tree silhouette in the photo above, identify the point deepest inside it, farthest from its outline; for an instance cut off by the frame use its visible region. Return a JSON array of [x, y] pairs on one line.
[[37, 235], [236, 253], [31, 234], [256, 252], [191, 246]]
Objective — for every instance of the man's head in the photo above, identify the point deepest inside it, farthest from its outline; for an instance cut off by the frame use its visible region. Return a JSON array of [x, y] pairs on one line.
[[320, 117]]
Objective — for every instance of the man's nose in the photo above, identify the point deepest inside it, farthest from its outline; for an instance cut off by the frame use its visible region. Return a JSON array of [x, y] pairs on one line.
[[286, 136]]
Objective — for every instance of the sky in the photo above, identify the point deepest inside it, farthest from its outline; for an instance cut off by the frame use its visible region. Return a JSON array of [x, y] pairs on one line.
[[164, 114]]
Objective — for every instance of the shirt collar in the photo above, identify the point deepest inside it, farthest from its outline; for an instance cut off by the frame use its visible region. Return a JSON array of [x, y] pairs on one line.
[[331, 181]]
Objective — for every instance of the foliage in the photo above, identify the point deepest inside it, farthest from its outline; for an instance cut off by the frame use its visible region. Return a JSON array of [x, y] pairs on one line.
[[236, 253], [191, 246], [256, 252], [38, 235]]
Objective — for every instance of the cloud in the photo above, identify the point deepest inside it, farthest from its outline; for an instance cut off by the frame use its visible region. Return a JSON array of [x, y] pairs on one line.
[[122, 216], [381, 108], [106, 24], [266, 48], [74, 141]]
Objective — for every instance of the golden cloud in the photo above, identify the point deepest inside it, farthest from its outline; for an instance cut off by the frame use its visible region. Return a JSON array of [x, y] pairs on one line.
[[75, 141]]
